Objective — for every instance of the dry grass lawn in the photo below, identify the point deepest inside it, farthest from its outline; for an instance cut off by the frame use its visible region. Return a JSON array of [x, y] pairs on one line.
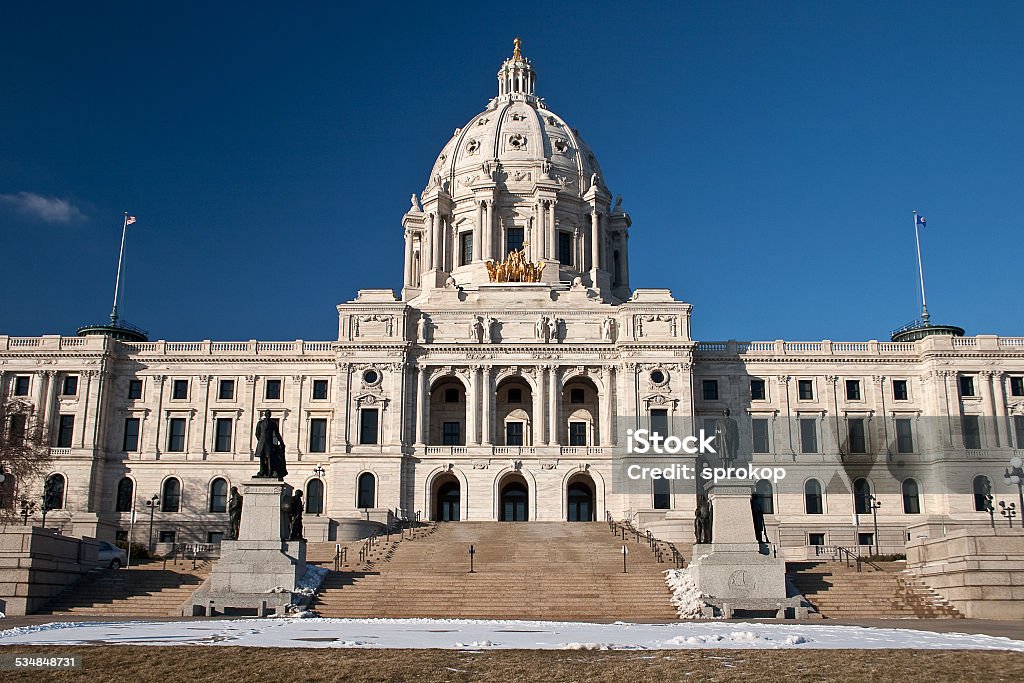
[[198, 664]]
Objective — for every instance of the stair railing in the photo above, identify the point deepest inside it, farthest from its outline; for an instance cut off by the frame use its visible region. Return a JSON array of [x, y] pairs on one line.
[[840, 553]]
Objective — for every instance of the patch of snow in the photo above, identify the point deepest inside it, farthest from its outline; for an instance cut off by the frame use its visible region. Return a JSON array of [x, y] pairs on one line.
[[689, 602], [310, 582], [468, 634]]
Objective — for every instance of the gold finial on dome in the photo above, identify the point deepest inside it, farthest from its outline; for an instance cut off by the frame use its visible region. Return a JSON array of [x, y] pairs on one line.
[[516, 54]]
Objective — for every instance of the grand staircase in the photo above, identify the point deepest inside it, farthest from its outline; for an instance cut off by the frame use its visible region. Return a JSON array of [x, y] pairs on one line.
[[523, 570], [841, 592], [145, 590]]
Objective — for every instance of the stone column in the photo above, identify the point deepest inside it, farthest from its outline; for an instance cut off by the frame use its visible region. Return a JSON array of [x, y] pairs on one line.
[[552, 231], [489, 232], [607, 401], [472, 406], [595, 242], [487, 405], [1003, 428], [784, 388], [204, 381], [602, 243], [554, 399], [478, 235], [408, 259], [422, 407], [428, 243], [542, 234], [992, 435], [154, 435], [952, 400], [540, 408]]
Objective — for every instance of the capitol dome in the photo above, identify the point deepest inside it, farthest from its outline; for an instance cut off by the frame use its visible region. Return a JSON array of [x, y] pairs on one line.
[[516, 181], [520, 133]]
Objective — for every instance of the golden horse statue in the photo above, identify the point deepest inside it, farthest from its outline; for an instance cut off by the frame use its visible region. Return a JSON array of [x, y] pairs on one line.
[[515, 268]]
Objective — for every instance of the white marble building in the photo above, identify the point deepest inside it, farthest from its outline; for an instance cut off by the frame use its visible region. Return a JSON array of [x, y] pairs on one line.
[[465, 399]]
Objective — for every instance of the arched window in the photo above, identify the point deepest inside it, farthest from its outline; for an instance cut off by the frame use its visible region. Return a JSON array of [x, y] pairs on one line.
[[125, 495], [812, 497], [911, 499], [366, 486], [171, 499], [982, 489], [53, 492], [218, 495], [763, 496], [314, 497], [861, 496]]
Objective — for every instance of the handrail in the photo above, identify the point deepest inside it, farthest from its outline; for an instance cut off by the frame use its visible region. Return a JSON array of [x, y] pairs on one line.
[[839, 552], [664, 551]]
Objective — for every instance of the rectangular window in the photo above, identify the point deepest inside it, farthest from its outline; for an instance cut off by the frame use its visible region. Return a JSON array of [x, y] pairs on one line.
[[972, 431], [130, 443], [513, 433], [899, 390], [222, 435], [451, 433], [176, 435], [513, 240], [865, 539], [659, 421], [272, 390], [21, 385], [966, 385], [319, 390], [65, 431], [134, 389], [815, 539], [759, 430], [368, 426], [853, 390], [167, 536], [565, 248], [465, 248], [857, 434], [214, 537], [805, 389], [904, 436], [808, 435], [318, 435], [1018, 428], [757, 390], [16, 428], [226, 390], [1017, 386], [662, 493], [577, 433], [70, 386], [576, 396], [709, 389], [179, 390]]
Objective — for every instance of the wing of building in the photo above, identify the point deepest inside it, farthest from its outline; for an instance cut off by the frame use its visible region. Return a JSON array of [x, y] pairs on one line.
[[504, 381]]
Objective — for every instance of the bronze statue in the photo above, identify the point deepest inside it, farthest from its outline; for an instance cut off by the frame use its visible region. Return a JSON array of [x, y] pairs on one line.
[[727, 438], [270, 449], [234, 513], [294, 508], [702, 520], [760, 534]]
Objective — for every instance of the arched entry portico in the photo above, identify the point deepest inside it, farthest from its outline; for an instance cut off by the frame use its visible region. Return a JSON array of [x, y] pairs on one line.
[[447, 499], [580, 499], [514, 496]]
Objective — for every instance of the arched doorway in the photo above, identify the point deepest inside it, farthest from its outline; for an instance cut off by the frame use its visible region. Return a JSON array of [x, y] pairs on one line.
[[514, 502], [579, 495], [448, 500]]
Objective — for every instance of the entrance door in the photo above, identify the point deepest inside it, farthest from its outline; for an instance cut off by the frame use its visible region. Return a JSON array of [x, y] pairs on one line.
[[581, 503], [513, 502], [448, 498]]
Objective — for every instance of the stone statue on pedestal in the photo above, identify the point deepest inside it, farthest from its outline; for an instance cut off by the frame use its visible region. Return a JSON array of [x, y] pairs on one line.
[[234, 513], [294, 508], [270, 449], [760, 534], [727, 438], [702, 520]]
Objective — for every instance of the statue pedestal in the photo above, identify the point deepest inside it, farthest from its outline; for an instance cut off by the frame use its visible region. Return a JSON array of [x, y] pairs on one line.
[[254, 568], [734, 570]]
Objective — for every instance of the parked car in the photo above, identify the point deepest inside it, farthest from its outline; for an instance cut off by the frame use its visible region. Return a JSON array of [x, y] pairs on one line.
[[112, 556]]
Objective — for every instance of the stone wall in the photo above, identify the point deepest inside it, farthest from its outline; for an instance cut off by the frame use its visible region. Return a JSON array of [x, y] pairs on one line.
[[37, 564], [980, 570]]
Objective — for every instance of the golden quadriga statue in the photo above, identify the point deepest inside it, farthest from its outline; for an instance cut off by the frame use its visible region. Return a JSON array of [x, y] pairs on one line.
[[515, 268]]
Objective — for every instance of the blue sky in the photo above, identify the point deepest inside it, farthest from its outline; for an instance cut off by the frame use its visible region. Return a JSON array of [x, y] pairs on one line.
[[770, 155]]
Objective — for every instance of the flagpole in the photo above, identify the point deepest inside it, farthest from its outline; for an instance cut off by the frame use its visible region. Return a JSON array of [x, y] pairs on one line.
[[920, 270], [117, 280]]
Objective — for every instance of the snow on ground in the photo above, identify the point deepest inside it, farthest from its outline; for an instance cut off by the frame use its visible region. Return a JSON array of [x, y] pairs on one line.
[[486, 635], [688, 600]]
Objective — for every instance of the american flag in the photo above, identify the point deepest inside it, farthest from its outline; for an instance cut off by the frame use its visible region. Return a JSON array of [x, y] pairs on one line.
[[131, 219]]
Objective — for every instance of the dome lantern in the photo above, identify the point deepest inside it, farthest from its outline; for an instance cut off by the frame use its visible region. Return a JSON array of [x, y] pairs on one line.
[[516, 76]]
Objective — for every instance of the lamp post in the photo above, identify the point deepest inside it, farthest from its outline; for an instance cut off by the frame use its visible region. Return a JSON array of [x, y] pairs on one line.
[[1008, 511], [318, 472], [874, 504], [151, 503], [27, 508], [990, 509], [1014, 474]]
